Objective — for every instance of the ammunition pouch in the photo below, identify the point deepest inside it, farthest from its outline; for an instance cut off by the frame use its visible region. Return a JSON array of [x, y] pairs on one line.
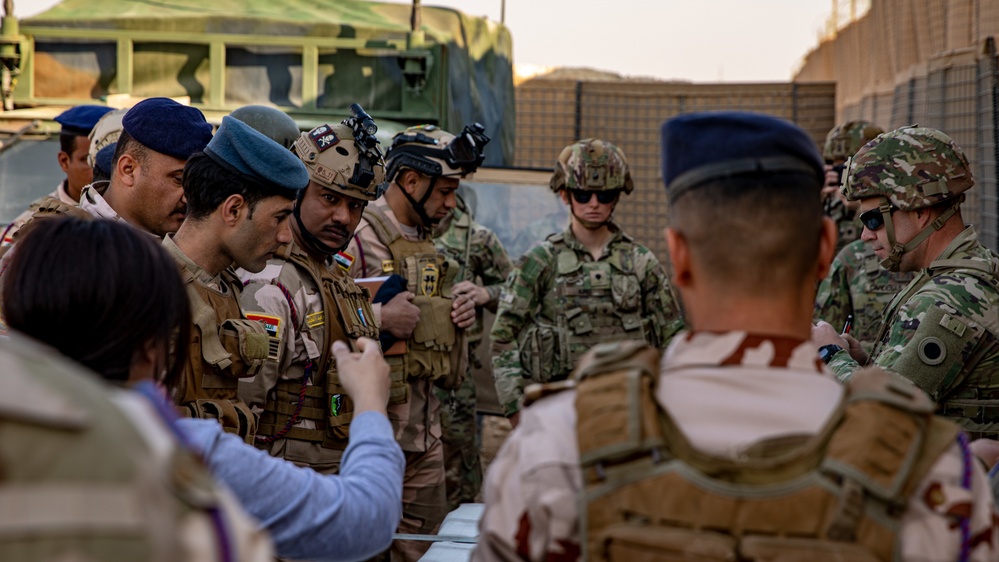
[[248, 340], [541, 353], [235, 416]]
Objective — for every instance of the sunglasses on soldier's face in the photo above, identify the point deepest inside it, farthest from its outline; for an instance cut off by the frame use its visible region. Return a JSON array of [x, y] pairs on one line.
[[873, 219], [583, 197]]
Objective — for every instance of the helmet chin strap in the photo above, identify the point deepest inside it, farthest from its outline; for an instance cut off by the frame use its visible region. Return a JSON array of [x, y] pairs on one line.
[[310, 241], [894, 260], [417, 206]]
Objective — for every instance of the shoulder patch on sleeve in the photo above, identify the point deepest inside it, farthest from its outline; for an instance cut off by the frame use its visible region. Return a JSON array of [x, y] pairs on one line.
[[271, 323]]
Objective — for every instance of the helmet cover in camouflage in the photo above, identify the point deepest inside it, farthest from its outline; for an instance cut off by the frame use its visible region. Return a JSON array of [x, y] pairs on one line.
[[105, 132], [913, 167], [592, 165], [331, 155], [844, 140], [271, 121]]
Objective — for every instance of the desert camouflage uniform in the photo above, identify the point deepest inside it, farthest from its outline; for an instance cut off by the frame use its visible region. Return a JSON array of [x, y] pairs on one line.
[[416, 420], [286, 296], [635, 291], [942, 331], [534, 487], [858, 285], [59, 196], [224, 346], [482, 260]]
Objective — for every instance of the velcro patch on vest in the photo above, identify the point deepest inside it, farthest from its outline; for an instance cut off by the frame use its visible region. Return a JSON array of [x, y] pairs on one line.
[[272, 324], [429, 279], [388, 266], [324, 138], [315, 319], [344, 260]]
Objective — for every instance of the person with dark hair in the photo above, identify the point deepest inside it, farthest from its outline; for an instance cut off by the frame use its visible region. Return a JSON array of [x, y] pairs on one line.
[[240, 193], [738, 444], [92, 464], [307, 301], [123, 311], [74, 146]]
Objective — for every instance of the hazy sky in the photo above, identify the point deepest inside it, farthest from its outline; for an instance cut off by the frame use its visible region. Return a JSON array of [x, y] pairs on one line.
[[701, 41]]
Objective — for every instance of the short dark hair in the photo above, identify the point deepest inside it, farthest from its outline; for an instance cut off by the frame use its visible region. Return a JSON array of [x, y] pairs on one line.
[[126, 143], [67, 142], [98, 291], [761, 231], [207, 184]]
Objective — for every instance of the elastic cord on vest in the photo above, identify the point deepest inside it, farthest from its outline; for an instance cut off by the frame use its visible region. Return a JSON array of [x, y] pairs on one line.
[[894, 259]]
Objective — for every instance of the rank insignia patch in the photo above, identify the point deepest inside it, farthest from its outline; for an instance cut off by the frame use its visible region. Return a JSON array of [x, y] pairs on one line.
[[315, 319]]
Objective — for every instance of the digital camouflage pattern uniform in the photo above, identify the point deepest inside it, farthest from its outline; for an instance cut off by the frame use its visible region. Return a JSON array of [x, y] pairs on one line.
[[842, 142], [481, 259], [941, 331], [559, 301], [588, 442], [307, 301], [857, 285]]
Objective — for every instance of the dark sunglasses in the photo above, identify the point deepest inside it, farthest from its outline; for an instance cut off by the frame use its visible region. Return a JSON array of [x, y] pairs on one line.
[[583, 197], [873, 219]]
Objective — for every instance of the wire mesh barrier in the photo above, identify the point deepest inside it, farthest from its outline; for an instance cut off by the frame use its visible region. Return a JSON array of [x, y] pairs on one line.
[[926, 62], [553, 113]]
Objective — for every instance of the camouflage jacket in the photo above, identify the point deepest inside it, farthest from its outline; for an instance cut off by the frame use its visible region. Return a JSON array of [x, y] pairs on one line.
[[481, 258], [530, 336], [57, 196], [858, 285], [942, 333], [847, 225], [768, 388]]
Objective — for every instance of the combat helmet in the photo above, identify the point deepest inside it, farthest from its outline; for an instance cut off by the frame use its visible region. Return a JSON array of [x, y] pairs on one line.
[[105, 133], [271, 121], [844, 140], [434, 153], [909, 168], [592, 165]]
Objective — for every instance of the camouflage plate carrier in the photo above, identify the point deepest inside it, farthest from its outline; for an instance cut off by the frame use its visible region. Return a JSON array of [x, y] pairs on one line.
[[837, 495], [318, 396]]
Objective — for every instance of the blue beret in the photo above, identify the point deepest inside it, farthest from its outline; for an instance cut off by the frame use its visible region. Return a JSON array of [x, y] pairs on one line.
[[254, 156], [104, 157], [700, 147], [165, 126], [81, 119]]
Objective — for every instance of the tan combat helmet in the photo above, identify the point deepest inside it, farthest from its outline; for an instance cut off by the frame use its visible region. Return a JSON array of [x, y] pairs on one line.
[[336, 160], [105, 133], [592, 165], [909, 168]]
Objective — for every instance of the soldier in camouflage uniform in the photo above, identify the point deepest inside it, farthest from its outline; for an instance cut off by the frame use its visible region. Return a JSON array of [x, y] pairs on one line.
[[424, 167], [842, 142], [858, 286], [941, 331], [307, 301], [483, 266], [591, 283]]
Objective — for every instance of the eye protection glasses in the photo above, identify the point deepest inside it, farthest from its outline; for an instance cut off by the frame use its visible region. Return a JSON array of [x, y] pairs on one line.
[[583, 197], [874, 219]]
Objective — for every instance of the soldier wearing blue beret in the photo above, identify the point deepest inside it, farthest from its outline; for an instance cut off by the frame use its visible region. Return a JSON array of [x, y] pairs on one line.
[[642, 457], [240, 193], [74, 146]]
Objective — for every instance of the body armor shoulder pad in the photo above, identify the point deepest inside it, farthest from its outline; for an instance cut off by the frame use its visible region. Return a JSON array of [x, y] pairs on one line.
[[384, 228]]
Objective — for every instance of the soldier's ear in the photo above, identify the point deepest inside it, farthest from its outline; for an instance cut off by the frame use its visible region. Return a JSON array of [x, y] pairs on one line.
[[232, 208], [827, 247], [124, 168], [64, 160], [679, 256]]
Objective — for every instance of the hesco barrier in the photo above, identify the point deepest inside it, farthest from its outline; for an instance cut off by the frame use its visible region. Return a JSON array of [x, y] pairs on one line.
[[926, 62], [553, 113]]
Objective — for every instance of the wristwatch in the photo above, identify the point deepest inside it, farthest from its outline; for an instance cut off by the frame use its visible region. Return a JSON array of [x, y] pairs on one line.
[[826, 352]]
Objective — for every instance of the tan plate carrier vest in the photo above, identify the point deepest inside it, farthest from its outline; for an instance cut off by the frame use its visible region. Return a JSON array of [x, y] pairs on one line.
[[838, 495], [954, 337], [603, 303], [225, 347], [48, 207], [436, 350], [78, 481], [319, 396]]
